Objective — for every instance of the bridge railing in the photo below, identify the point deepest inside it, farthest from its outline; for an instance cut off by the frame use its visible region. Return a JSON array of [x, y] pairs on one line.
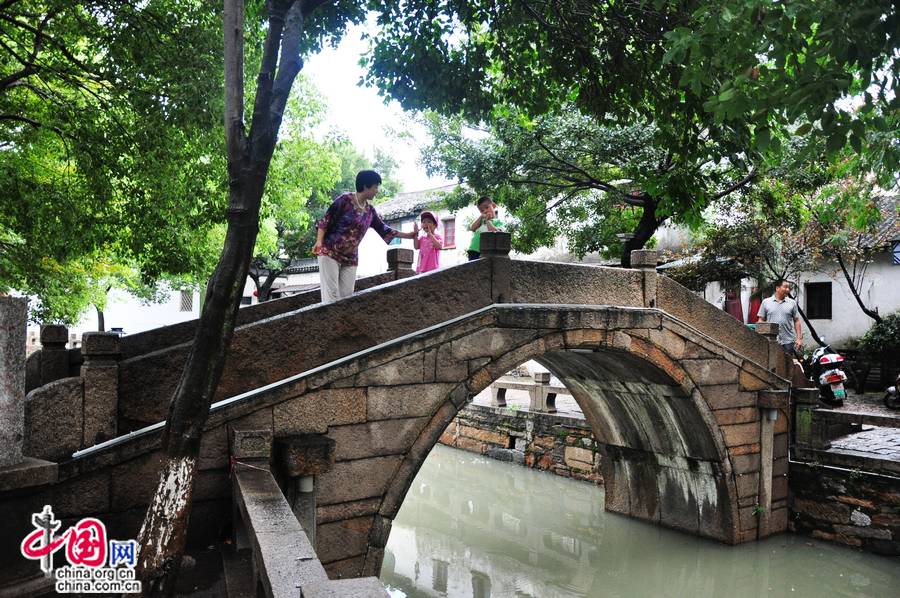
[[284, 561], [53, 361]]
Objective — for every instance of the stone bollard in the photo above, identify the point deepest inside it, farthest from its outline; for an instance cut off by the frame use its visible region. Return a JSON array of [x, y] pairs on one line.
[[645, 260], [54, 355], [778, 359], [100, 373], [808, 434], [300, 458], [398, 260], [16, 470], [496, 247], [496, 244]]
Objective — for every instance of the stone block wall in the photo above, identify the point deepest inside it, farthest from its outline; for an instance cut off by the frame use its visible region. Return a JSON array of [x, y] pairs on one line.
[[848, 507], [560, 445], [284, 345]]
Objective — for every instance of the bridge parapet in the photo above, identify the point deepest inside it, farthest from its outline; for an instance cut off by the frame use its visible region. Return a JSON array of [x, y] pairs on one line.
[[284, 560]]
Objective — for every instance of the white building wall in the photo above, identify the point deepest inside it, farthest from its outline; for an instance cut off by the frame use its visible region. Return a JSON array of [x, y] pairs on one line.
[[373, 250], [881, 289], [123, 310]]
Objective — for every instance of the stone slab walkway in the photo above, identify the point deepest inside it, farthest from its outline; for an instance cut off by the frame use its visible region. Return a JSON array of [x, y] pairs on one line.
[[869, 402], [876, 443]]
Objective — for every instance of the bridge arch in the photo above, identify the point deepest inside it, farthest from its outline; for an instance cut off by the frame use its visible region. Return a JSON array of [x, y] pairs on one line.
[[651, 388]]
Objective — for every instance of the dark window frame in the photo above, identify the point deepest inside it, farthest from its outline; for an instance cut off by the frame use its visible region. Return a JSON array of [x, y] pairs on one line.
[[819, 300]]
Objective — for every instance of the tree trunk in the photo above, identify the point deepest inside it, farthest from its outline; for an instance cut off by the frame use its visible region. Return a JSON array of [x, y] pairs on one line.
[[163, 534], [265, 290], [872, 313], [101, 321], [643, 232], [809, 325]]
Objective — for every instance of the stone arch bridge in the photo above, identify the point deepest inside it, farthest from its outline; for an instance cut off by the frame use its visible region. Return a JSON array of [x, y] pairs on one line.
[[689, 406]]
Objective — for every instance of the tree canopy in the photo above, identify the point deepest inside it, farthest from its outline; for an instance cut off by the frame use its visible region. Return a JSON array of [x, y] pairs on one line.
[[565, 174], [719, 86], [110, 143]]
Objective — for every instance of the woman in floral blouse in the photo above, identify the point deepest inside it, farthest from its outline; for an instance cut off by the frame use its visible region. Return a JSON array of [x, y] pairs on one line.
[[340, 232]]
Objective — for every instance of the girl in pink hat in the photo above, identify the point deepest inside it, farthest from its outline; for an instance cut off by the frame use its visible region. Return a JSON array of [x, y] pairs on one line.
[[429, 244]]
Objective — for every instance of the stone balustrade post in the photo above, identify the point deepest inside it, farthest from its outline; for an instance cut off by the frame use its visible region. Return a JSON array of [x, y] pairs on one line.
[[249, 448], [646, 260], [778, 359], [299, 459], [541, 399], [769, 403], [496, 247], [16, 470], [399, 260], [54, 355], [100, 373], [808, 434]]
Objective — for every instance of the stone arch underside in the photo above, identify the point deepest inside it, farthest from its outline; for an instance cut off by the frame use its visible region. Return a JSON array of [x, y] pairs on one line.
[[645, 382], [661, 461]]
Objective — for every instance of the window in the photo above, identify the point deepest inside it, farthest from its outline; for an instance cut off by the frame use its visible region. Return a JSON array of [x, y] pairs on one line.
[[439, 575], [818, 300], [481, 585], [246, 300], [449, 232], [187, 301], [895, 248]]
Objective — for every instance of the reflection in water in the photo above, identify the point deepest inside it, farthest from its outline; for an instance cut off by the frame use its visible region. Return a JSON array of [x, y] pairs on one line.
[[471, 526]]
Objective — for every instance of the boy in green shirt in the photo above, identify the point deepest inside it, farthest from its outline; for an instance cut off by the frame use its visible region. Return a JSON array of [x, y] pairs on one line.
[[487, 222]]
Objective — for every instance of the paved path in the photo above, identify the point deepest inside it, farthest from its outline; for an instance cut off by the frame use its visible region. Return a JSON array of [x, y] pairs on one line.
[[870, 402], [878, 443]]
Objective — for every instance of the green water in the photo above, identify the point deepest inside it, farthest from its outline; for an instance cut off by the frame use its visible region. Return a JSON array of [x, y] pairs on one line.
[[472, 526]]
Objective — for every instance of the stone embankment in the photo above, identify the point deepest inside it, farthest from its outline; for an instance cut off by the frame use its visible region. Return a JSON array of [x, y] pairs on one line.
[[849, 507], [559, 444]]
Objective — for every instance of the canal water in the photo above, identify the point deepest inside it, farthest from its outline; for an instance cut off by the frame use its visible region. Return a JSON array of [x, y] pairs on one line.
[[475, 527]]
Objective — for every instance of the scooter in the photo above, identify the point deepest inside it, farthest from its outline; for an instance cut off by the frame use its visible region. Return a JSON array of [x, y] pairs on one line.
[[892, 395], [827, 368]]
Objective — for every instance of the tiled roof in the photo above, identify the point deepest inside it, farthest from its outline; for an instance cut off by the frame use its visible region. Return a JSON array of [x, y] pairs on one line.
[[889, 227], [294, 288], [302, 265], [410, 204]]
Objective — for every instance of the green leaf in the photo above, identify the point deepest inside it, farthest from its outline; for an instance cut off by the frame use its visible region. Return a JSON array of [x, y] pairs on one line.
[[835, 142]]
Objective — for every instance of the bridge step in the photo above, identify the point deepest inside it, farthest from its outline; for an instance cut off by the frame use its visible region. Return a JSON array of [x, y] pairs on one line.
[[858, 416]]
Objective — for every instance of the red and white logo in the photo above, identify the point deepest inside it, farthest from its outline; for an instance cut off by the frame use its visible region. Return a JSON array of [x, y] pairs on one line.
[[86, 550]]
